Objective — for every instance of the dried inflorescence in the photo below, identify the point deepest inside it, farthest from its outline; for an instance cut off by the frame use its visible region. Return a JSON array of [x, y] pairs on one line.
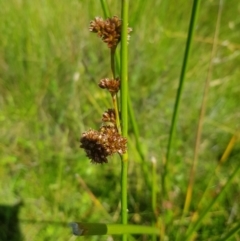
[[101, 144], [112, 85], [98, 145], [108, 30], [109, 116]]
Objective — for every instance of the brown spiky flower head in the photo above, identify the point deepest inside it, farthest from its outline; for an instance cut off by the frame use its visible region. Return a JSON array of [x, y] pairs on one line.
[[112, 85], [108, 30], [98, 145], [109, 117]]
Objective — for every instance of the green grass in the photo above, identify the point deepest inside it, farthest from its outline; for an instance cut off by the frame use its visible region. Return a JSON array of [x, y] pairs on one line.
[[49, 69]]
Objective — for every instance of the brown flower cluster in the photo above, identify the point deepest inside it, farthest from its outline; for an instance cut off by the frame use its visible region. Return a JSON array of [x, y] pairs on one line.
[[101, 144], [108, 30], [98, 145], [112, 85], [109, 116]]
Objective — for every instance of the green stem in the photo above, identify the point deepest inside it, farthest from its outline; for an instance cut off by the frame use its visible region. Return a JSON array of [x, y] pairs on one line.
[[113, 50], [124, 109], [105, 8], [154, 192], [154, 187], [180, 88], [124, 207], [114, 96], [115, 105]]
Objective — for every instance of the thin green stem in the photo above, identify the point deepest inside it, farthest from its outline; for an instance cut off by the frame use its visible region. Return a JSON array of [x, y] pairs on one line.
[[105, 8], [154, 192], [114, 96], [124, 207], [113, 50], [124, 108], [124, 68], [124, 101], [132, 119], [154, 186], [180, 88], [115, 105]]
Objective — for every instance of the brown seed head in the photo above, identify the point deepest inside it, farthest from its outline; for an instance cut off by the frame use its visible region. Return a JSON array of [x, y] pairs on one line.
[[93, 144], [116, 143], [108, 30], [112, 85], [109, 116], [96, 25], [98, 145]]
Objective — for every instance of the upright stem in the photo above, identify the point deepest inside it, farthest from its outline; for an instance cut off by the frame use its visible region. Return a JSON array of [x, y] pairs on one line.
[[115, 104], [114, 96], [113, 50], [124, 108], [105, 8]]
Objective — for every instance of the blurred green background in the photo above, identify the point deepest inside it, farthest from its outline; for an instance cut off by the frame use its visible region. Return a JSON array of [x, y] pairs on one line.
[[50, 65]]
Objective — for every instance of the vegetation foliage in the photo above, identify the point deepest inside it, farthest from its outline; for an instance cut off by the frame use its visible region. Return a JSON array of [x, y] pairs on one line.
[[49, 69]]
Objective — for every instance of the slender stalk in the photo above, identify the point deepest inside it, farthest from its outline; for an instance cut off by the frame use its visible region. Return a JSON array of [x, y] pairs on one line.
[[113, 50], [124, 68], [105, 8], [180, 88], [154, 193], [124, 210], [114, 96], [115, 104], [132, 119], [154, 187], [124, 108]]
